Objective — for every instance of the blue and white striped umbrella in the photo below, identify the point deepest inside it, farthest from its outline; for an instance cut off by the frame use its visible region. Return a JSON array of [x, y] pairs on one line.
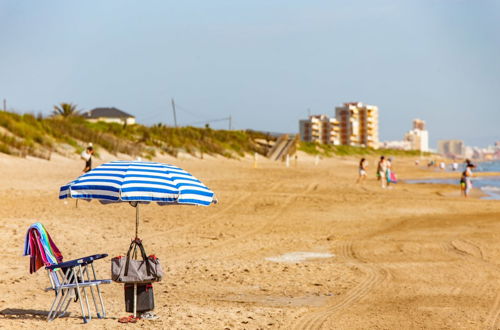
[[138, 181]]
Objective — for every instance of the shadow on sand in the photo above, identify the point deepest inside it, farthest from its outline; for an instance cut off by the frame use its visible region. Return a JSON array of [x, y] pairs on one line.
[[18, 313]]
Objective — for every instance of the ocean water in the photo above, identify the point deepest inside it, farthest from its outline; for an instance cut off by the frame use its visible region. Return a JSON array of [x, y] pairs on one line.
[[489, 185]]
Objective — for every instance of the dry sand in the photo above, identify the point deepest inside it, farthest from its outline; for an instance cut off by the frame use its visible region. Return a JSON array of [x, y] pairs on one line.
[[411, 257]]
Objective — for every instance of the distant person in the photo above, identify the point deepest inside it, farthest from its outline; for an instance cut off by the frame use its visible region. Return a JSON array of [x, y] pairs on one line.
[[454, 166], [469, 163], [87, 157], [381, 171], [465, 180], [442, 165], [417, 162], [390, 175], [363, 165]]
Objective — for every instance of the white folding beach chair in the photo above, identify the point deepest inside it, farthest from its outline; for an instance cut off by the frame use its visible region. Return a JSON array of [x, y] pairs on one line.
[[70, 281]]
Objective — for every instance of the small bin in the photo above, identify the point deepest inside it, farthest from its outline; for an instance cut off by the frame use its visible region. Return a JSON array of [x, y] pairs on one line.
[[145, 297]]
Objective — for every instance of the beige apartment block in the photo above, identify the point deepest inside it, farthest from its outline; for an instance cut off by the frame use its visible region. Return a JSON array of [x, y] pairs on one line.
[[419, 124], [451, 148], [321, 129], [418, 137], [358, 124]]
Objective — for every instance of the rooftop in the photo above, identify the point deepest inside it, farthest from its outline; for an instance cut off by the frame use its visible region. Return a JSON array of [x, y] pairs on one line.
[[106, 113]]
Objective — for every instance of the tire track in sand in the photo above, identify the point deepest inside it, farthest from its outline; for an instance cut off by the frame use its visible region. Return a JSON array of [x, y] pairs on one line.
[[472, 252], [375, 276], [224, 209], [272, 220]]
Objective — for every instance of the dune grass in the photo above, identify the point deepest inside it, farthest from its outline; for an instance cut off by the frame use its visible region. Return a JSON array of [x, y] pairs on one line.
[[26, 134], [30, 135], [327, 150]]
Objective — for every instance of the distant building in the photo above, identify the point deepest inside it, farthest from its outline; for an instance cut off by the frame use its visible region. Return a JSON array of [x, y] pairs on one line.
[[398, 145], [319, 128], [419, 124], [418, 137], [358, 124], [451, 148], [109, 115]]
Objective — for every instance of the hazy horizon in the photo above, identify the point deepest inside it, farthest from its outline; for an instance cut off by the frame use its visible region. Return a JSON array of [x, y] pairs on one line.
[[264, 63]]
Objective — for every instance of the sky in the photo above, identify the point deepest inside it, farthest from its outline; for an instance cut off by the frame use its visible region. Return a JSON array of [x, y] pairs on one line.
[[265, 63]]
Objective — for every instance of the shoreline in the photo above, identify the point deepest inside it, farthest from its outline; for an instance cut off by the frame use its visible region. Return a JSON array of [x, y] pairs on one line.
[[481, 191]]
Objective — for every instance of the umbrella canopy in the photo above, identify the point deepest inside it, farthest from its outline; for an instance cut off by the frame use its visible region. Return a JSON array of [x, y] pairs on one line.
[[138, 181]]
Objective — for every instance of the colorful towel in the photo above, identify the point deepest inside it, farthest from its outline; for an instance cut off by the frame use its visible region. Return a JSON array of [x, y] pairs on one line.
[[40, 247]]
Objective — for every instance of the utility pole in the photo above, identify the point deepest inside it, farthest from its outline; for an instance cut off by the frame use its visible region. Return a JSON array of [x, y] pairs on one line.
[[229, 122], [4, 105], [173, 109]]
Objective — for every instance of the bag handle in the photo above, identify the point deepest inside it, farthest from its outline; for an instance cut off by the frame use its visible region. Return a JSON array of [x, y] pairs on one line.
[[137, 242]]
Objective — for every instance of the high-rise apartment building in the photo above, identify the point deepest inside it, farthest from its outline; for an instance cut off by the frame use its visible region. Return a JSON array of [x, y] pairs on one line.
[[419, 124], [320, 128], [451, 148], [358, 124], [418, 137]]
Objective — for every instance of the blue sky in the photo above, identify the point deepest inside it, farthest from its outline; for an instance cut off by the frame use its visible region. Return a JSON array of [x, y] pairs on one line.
[[265, 63]]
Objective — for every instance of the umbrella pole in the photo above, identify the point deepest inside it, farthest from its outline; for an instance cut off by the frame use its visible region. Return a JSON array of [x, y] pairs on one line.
[[137, 221], [136, 236], [135, 300]]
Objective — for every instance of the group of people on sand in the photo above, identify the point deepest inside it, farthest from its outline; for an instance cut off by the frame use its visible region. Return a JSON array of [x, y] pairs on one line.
[[384, 171], [442, 165], [386, 176], [465, 179]]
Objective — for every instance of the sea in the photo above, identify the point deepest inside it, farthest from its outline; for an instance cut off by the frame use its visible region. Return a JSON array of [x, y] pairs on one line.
[[490, 185]]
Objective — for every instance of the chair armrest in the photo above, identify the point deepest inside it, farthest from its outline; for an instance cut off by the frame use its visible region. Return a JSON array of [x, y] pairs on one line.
[[76, 262]]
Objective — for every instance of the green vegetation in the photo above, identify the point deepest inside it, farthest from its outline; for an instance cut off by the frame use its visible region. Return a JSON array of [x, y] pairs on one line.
[[37, 136], [66, 131], [330, 150], [66, 110]]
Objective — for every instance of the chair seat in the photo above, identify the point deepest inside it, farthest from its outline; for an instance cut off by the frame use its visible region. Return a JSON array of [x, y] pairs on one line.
[[80, 284], [80, 261]]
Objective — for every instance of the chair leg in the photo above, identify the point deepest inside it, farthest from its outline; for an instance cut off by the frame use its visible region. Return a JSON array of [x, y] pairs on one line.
[[86, 271], [103, 308], [79, 296], [89, 314], [66, 299], [63, 311], [52, 312]]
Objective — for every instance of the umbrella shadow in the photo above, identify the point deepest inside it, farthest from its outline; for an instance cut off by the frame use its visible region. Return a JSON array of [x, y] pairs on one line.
[[19, 313]]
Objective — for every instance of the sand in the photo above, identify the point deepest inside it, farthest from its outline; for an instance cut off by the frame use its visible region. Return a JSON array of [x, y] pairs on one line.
[[292, 248]]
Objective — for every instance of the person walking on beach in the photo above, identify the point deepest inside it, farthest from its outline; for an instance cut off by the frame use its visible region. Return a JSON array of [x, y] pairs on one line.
[[389, 175], [465, 181], [382, 171], [363, 164], [87, 157]]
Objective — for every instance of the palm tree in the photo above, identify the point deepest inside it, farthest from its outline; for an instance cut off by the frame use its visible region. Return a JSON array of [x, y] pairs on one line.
[[66, 110]]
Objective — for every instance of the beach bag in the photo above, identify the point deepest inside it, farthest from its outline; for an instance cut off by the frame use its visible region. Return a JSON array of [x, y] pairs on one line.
[[394, 178], [128, 270], [145, 298]]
